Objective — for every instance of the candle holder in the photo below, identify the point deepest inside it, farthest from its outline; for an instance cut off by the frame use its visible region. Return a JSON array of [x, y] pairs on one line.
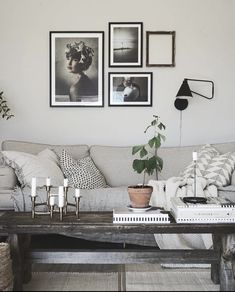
[[195, 199], [50, 204]]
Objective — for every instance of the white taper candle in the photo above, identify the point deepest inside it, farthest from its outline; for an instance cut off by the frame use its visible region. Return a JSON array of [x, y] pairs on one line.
[[33, 187], [61, 197], [194, 156], [48, 182], [77, 193]]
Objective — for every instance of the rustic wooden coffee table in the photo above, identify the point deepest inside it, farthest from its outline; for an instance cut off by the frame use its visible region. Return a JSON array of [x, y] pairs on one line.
[[18, 227]]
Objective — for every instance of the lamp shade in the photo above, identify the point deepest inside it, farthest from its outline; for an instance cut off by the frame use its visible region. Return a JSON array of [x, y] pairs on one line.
[[184, 91]]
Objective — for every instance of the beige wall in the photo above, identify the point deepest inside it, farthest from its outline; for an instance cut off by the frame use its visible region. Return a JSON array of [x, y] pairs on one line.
[[205, 49]]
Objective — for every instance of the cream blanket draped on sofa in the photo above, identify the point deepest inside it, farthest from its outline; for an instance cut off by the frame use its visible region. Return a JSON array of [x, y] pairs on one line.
[[163, 191]]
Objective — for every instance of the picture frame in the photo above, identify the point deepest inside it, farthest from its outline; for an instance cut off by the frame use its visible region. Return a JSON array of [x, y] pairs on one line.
[[160, 48], [76, 68], [125, 44], [130, 89]]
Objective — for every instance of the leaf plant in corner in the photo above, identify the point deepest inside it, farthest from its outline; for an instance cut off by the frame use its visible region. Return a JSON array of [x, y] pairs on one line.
[[4, 109], [149, 160]]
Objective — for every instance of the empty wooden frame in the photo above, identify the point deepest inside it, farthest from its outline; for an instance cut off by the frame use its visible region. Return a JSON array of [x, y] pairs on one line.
[[160, 48]]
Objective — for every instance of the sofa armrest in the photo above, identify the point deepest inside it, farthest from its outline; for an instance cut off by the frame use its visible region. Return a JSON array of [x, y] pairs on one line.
[[8, 179]]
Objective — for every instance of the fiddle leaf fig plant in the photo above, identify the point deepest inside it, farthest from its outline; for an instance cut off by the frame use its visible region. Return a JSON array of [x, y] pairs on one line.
[[4, 109], [149, 160]]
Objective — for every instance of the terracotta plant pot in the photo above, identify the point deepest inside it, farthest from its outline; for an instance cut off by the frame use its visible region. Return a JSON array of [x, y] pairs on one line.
[[140, 196]]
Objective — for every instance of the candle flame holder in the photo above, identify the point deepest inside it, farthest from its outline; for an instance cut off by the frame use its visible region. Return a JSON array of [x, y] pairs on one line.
[[52, 208]]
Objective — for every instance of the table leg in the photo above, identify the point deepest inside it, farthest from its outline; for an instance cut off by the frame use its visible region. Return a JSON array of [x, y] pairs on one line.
[[227, 281], [122, 278], [27, 265], [16, 256], [215, 268]]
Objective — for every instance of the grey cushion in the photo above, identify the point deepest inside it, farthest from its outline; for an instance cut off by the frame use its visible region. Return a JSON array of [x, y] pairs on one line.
[[6, 202], [8, 178], [115, 163], [77, 151]]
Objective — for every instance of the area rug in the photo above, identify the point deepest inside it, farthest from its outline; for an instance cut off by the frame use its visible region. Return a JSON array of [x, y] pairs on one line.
[[135, 281]]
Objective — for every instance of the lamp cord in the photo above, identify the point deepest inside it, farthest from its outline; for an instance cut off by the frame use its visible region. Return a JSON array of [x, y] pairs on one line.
[[180, 127]]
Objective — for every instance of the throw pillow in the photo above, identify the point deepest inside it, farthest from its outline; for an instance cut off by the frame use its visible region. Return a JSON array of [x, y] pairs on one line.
[[220, 168], [44, 164], [81, 173], [205, 154]]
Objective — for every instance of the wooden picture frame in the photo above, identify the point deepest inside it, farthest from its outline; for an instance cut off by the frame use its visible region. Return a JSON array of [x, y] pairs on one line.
[[76, 68], [130, 89], [125, 44], [160, 48]]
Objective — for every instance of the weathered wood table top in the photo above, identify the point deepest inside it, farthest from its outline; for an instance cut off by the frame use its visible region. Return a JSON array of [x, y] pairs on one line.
[[89, 222]]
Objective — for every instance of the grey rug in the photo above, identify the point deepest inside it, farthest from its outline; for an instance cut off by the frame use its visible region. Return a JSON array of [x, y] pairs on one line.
[[136, 280]]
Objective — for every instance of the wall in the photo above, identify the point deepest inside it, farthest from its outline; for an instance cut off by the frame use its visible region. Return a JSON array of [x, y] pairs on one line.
[[205, 49]]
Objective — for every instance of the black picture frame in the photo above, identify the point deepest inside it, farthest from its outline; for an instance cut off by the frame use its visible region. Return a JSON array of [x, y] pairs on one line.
[[160, 48], [85, 86], [130, 89], [125, 44]]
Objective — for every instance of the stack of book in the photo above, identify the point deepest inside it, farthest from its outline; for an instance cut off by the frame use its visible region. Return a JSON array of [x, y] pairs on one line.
[[152, 216], [215, 210]]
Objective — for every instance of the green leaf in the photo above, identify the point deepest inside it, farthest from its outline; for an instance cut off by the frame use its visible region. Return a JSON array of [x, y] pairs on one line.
[[159, 162], [136, 149], [151, 142], [143, 152], [138, 165], [161, 126]]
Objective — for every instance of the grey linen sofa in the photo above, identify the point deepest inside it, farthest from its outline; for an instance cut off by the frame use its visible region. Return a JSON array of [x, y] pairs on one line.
[[115, 163]]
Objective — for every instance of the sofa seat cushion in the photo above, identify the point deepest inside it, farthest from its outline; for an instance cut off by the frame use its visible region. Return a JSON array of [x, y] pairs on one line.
[[26, 166], [82, 173]]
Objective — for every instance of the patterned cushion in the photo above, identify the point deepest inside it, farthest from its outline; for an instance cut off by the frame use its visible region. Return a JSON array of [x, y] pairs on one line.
[[205, 154], [220, 169], [81, 173]]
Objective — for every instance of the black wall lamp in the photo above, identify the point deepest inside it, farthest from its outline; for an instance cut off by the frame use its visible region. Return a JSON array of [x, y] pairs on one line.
[[184, 93]]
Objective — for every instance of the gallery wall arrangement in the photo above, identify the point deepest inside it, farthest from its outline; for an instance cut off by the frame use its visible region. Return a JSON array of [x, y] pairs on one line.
[[77, 65]]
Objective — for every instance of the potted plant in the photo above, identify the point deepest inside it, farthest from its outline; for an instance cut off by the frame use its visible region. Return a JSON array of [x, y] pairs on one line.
[[4, 109], [148, 162]]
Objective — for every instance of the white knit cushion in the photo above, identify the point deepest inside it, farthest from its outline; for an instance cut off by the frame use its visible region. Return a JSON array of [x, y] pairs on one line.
[[220, 168], [81, 173], [44, 164], [205, 154]]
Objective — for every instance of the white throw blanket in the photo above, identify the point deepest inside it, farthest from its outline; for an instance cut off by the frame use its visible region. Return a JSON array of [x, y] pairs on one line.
[[163, 191]]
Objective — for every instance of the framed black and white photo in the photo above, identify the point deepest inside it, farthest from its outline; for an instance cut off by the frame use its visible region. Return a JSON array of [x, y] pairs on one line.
[[130, 89], [76, 69], [125, 44], [160, 48]]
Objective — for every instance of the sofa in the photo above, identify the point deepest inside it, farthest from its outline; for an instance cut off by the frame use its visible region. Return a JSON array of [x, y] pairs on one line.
[[115, 163]]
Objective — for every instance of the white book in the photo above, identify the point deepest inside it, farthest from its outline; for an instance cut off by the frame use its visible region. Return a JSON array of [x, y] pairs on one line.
[[124, 215], [216, 210]]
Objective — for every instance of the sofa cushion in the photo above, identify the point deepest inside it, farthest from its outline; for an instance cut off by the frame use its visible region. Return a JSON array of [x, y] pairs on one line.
[[82, 173], [220, 168], [8, 179], [116, 165], [205, 154], [26, 166], [77, 151]]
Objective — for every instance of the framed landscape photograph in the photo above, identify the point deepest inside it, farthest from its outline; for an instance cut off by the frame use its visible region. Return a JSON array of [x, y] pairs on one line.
[[76, 69], [130, 89], [125, 44], [160, 48]]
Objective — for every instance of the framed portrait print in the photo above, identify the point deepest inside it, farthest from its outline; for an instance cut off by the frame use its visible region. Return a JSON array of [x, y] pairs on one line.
[[76, 69], [160, 48], [130, 89], [125, 44]]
